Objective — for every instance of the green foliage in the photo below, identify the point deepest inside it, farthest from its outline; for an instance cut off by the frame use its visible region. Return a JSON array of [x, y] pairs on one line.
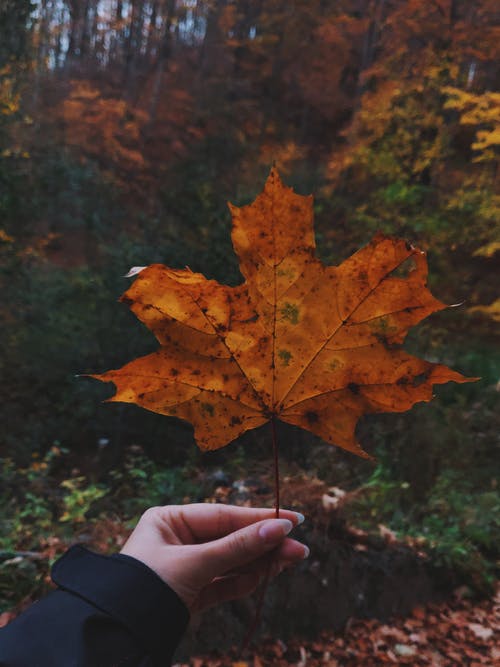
[[19, 578], [35, 509], [38, 511], [79, 499], [32, 501], [140, 483], [437, 481], [460, 526], [463, 527]]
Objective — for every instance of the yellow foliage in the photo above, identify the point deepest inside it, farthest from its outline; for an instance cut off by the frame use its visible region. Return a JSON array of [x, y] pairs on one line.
[[492, 311], [103, 126], [488, 250], [9, 99], [481, 111], [376, 110], [4, 237]]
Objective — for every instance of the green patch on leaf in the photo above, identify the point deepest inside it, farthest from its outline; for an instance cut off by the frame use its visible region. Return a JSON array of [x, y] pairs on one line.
[[290, 312], [285, 356]]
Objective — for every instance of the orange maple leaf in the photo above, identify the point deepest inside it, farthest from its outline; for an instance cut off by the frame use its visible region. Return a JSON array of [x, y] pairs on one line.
[[312, 345]]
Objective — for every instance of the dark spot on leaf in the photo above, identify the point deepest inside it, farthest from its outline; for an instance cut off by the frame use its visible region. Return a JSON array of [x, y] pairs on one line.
[[196, 371], [352, 386], [311, 416], [174, 372], [235, 420], [254, 318], [208, 408]]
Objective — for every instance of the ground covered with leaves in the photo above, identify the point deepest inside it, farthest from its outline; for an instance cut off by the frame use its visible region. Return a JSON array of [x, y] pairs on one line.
[[458, 632], [459, 628]]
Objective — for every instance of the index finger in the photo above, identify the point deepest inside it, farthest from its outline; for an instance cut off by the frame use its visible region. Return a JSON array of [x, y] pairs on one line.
[[209, 521]]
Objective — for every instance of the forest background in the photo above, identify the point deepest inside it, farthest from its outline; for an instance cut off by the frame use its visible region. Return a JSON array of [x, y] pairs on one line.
[[125, 126]]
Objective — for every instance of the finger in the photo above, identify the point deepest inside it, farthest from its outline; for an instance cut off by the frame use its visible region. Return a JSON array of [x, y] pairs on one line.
[[293, 551], [244, 545], [227, 588], [287, 553], [209, 521]]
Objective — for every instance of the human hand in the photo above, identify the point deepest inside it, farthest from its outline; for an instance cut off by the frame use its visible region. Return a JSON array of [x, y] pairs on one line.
[[209, 553]]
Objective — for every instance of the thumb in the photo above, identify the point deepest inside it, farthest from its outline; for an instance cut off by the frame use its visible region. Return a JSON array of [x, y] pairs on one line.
[[244, 545]]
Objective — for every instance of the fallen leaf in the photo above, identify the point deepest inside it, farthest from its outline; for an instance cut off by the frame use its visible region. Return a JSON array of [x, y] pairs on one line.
[[404, 650], [480, 631], [393, 633], [312, 345], [388, 535], [329, 503], [339, 493], [418, 637]]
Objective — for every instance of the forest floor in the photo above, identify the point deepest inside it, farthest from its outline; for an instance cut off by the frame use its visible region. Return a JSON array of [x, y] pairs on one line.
[[453, 632], [457, 633]]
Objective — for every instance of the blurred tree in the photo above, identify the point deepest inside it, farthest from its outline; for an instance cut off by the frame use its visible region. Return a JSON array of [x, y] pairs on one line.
[[420, 146], [15, 30], [125, 125]]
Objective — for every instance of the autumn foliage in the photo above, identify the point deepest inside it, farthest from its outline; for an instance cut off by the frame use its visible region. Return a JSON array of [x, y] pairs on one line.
[[312, 345]]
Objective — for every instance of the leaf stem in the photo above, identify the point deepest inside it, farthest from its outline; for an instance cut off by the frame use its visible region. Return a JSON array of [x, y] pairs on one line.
[[267, 576], [276, 468]]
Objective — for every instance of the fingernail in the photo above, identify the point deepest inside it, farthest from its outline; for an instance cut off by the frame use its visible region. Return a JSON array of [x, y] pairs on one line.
[[300, 518], [275, 529], [307, 551]]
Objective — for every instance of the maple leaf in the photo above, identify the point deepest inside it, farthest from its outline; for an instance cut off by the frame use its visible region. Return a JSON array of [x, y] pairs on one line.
[[312, 345]]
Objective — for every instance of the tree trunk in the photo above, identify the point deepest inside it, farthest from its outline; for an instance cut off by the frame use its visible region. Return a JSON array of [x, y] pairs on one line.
[[132, 48], [165, 50]]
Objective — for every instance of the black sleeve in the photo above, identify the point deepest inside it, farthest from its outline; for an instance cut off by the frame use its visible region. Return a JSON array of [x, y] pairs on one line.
[[108, 611]]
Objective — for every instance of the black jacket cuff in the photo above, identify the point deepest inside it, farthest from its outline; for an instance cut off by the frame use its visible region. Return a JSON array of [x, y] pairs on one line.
[[128, 591]]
